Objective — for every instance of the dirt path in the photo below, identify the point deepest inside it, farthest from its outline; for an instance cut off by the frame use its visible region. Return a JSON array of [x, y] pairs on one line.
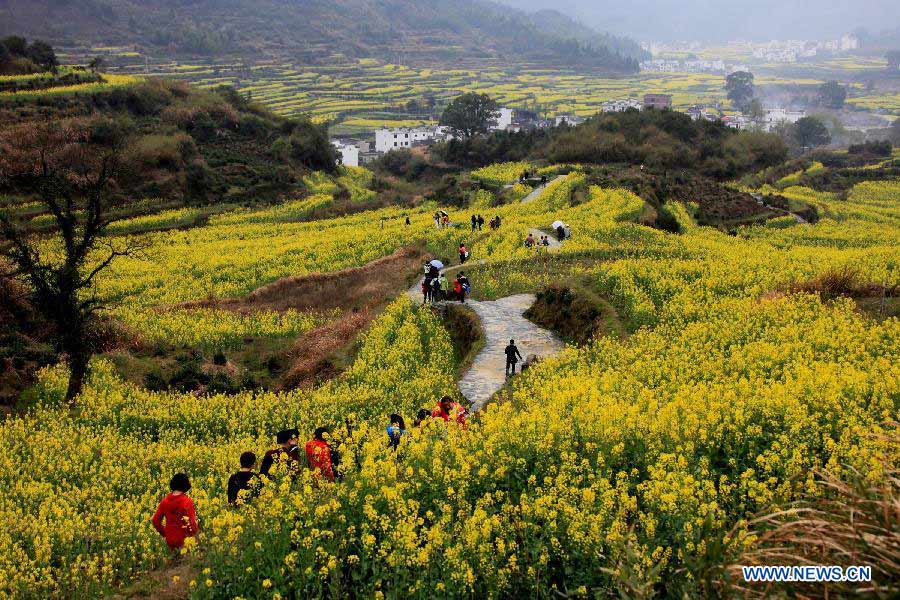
[[540, 189], [762, 202]]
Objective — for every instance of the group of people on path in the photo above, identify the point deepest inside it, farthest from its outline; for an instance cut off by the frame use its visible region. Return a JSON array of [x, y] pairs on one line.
[[477, 222], [175, 518], [531, 242], [436, 287], [441, 219], [526, 175]]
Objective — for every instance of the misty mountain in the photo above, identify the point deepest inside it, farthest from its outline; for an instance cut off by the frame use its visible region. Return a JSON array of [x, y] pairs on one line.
[[315, 30], [722, 20]]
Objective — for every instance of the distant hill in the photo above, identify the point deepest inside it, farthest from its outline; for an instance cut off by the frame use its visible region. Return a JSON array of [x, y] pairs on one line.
[[315, 30]]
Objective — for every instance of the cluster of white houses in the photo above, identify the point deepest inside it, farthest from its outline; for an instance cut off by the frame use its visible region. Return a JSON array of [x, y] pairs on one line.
[[355, 152]]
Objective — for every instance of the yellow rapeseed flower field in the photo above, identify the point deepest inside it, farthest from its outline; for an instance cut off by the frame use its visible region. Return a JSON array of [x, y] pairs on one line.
[[644, 456]]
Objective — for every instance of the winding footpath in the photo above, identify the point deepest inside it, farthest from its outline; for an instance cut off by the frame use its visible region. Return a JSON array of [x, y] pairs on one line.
[[501, 321], [540, 189]]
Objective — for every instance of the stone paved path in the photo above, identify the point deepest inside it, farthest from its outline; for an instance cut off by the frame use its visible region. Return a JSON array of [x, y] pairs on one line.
[[502, 320], [540, 189]]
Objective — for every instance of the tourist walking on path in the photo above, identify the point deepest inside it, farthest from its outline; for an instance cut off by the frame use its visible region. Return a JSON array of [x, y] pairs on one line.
[[474, 222], [480, 222], [463, 254], [244, 480], [561, 233], [529, 241], [444, 286], [395, 431], [448, 410], [318, 453], [175, 518], [513, 356], [288, 454]]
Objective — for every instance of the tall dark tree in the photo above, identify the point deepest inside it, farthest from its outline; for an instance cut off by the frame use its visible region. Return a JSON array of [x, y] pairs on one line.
[[70, 167], [16, 45], [42, 54], [739, 86], [470, 114], [5, 56], [810, 132], [832, 95], [893, 58]]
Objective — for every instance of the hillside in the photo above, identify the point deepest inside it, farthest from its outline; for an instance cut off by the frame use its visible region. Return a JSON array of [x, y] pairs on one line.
[[315, 30]]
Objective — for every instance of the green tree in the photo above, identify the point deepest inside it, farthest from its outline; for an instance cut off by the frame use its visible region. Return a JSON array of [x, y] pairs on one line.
[[97, 64], [739, 86], [832, 95], [894, 134], [16, 45], [470, 114], [810, 132], [755, 110], [42, 54], [893, 58]]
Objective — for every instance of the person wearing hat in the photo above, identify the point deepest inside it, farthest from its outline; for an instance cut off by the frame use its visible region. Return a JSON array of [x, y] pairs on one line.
[[288, 453], [175, 518]]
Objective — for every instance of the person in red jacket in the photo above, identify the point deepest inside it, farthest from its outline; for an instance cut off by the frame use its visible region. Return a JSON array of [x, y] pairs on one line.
[[318, 453], [175, 518], [447, 409]]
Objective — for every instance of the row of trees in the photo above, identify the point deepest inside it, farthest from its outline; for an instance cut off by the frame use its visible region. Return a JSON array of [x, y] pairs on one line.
[[18, 56], [741, 90]]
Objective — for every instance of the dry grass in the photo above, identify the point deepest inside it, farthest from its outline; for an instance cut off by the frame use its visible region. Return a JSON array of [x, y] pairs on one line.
[[855, 523], [360, 288], [842, 282]]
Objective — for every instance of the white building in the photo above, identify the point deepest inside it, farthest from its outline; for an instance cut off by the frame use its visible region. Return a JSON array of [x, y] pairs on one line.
[[774, 116], [404, 137], [622, 105], [568, 120], [504, 119], [349, 153]]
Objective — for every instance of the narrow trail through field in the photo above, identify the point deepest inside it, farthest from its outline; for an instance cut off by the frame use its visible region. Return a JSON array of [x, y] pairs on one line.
[[762, 201], [501, 320], [540, 189]]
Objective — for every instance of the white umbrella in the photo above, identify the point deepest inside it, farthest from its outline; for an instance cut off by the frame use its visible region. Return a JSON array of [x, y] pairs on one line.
[[437, 264], [558, 224]]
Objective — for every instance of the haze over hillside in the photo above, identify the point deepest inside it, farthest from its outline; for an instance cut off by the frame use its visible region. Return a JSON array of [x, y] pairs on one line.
[[712, 20], [313, 30]]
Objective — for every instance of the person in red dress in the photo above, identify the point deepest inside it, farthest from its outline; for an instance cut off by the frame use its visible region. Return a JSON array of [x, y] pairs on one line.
[[318, 453], [447, 409], [175, 518]]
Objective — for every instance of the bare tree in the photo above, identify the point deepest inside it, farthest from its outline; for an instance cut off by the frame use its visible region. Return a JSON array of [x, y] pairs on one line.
[[71, 167]]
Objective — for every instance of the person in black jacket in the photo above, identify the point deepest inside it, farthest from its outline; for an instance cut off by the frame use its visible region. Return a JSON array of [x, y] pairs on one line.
[[512, 357], [244, 480]]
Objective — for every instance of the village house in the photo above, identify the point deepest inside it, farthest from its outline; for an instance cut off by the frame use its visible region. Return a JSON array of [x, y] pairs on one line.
[[657, 101], [349, 152], [568, 120], [774, 116], [504, 120], [737, 122], [614, 106], [407, 137]]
